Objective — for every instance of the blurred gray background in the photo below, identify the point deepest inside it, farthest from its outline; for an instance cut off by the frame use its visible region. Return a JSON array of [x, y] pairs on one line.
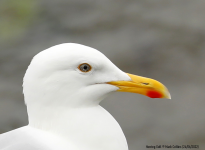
[[164, 40]]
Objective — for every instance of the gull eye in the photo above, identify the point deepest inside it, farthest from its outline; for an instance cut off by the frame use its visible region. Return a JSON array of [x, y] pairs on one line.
[[84, 67]]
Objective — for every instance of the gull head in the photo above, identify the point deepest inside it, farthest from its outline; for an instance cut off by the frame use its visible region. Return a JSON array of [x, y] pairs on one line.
[[74, 75]]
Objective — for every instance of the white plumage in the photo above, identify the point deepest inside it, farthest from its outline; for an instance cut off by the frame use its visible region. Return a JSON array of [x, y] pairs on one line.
[[63, 102]]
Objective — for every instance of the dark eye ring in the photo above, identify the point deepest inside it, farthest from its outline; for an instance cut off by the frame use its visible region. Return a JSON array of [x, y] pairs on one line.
[[84, 67]]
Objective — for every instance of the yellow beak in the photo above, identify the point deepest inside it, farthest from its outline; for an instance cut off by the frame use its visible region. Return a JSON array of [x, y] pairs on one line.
[[141, 85]]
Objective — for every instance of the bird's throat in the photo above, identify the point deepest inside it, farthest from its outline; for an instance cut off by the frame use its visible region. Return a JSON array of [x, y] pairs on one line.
[[83, 125]]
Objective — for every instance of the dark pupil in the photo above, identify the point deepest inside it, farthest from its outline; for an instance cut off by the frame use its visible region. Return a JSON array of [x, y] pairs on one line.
[[85, 68]]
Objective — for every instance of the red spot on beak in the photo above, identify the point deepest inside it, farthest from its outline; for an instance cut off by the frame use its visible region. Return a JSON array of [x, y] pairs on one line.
[[154, 94]]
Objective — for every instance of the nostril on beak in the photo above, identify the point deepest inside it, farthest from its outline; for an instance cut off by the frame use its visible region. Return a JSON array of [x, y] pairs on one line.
[[145, 83]]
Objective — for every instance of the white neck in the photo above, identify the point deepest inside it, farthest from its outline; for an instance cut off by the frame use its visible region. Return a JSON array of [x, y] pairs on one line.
[[71, 111], [84, 126]]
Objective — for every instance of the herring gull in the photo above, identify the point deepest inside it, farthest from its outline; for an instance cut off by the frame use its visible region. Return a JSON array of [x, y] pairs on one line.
[[62, 88]]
